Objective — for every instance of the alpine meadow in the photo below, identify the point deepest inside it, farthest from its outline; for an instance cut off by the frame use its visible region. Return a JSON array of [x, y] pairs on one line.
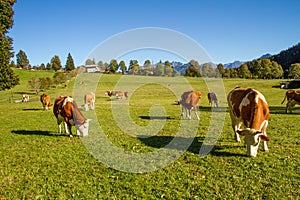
[[39, 163], [131, 100]]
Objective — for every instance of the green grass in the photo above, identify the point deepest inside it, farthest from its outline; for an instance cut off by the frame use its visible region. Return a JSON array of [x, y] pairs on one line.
[[38, 163]]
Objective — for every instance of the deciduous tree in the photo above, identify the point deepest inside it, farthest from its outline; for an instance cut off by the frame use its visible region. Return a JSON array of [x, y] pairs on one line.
[[55, 63], [294, 70], [122, 66]]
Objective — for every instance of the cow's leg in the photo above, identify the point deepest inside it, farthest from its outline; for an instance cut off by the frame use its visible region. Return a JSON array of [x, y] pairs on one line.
[[59, 127], [77, 132], [70, 130], [188, 114], [290, 105], [86, 107], [287, 107], [235, 126], [93, 105], [66, 127], [265, 146], [236, 135], [196, 113], [182, 112]]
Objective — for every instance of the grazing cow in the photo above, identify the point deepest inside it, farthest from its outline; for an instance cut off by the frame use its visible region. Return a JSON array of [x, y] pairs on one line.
[[212, 98], [66, 110], [293, 98], [248, 107], [45, 99], [117, 94], [89, 101], [189, 101], [25, 98]]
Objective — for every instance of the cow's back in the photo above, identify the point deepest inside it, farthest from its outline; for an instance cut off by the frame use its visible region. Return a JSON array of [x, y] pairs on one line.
[[190, 99], [58, 103], [249, 106], [235, 97], [89, 98]]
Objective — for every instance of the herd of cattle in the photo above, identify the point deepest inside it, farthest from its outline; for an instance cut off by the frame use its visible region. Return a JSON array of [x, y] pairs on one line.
[[248, 108]]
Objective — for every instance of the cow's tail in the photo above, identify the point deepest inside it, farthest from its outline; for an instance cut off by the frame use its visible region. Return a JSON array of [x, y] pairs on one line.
[[283, 99]]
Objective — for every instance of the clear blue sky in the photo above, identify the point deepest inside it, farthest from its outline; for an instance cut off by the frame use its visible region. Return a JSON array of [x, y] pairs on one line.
[[228, 30]]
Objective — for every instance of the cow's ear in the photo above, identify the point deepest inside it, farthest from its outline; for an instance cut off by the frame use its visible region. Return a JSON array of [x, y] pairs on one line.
[[264, 137], [241, 132]]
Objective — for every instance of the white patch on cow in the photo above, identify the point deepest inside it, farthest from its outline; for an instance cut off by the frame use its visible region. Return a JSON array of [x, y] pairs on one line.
[[244, 102], [83, 128], [260, 96], [68, 99], [264, 124]]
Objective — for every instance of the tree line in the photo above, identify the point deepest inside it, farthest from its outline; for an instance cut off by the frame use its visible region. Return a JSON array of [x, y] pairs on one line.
[[54, 64]]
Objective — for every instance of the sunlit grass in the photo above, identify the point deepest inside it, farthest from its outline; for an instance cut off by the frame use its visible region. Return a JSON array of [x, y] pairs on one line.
[[38, 163]]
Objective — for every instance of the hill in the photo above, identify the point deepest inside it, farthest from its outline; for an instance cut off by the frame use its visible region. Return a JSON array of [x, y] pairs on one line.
[[287, 57]]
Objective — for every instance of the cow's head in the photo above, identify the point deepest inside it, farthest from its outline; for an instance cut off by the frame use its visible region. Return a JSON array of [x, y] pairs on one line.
[[84, 128], [252, 139], [198, 94], [109, 93]]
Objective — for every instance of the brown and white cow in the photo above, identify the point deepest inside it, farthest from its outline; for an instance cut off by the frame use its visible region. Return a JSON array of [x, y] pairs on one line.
[[89, 101], [248, 107], [45, 100], [117, 94], [25, 98], [293, 98], [189, 101], [212, 98], [66, 110]]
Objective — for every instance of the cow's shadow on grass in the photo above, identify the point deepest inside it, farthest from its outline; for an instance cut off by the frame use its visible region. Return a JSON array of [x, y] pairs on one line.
[[156, 117], [281, 109], [188, 144], [32, 109], [212, 109], [35, 132]]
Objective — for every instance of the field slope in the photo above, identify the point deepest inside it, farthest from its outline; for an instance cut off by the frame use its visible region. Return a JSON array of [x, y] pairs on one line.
[[38, 163]]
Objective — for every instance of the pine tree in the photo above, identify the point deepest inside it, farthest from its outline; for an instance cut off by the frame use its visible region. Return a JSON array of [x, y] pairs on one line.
[[7, 77], [70, 63], [22, 60]]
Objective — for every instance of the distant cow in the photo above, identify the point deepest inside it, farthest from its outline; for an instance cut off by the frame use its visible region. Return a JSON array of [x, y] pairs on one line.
[[189, 101], [212, 98], [293, 98], [45, 100], [117, 94], [89, 101], [66, 110], [25, 98], [248, 107]]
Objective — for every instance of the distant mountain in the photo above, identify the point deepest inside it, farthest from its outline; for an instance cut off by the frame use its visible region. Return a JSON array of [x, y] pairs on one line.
[[235, 64], [267, 55], [179, 67]]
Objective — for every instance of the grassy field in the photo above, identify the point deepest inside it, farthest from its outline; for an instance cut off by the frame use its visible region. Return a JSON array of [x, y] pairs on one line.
[[38, 163]]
